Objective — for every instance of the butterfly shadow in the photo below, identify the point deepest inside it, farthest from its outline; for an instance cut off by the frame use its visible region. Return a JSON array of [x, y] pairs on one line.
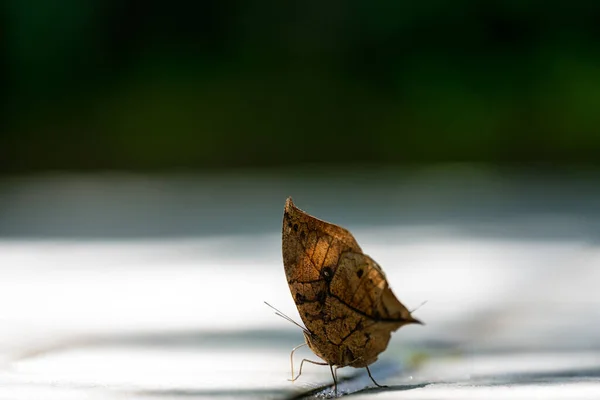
[[393, 388], [327, 391]]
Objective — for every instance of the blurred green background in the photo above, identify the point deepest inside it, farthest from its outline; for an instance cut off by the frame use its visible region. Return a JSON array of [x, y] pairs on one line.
[[155, 85]]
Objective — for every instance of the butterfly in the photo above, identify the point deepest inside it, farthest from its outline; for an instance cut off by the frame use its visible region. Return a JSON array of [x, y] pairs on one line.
[[342, 295]]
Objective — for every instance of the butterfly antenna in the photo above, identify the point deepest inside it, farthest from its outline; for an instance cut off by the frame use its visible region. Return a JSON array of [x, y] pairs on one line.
[[282, 315], [419, 306]]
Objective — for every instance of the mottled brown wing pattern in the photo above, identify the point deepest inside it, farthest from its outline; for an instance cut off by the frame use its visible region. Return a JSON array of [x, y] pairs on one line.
[[342, 295], [311, 250], [360, 283]]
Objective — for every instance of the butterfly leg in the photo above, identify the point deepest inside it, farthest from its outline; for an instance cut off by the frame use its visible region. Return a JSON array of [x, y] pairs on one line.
[[371, 376], [334, 375], [292, 358], [302, 363]]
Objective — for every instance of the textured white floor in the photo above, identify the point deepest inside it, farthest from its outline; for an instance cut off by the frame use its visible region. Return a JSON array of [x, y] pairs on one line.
[[513, 305]]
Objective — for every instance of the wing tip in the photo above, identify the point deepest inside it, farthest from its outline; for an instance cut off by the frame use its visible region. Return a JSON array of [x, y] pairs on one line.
[[289, 204]]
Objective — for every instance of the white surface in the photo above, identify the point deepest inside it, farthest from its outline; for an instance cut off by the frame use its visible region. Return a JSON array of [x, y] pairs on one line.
[[172, 317]]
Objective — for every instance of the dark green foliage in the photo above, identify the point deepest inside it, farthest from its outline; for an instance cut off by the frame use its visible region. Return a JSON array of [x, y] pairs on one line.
[[142, 85]]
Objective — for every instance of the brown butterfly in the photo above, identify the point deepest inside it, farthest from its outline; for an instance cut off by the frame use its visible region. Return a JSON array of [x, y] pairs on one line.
[[342, 295]]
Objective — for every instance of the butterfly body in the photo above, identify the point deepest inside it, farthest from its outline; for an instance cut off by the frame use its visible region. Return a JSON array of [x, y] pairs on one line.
[[341, 294]]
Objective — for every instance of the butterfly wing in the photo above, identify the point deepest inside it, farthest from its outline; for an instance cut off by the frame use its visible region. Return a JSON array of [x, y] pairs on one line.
[[311, 251], [341, 294], [364, 311]]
